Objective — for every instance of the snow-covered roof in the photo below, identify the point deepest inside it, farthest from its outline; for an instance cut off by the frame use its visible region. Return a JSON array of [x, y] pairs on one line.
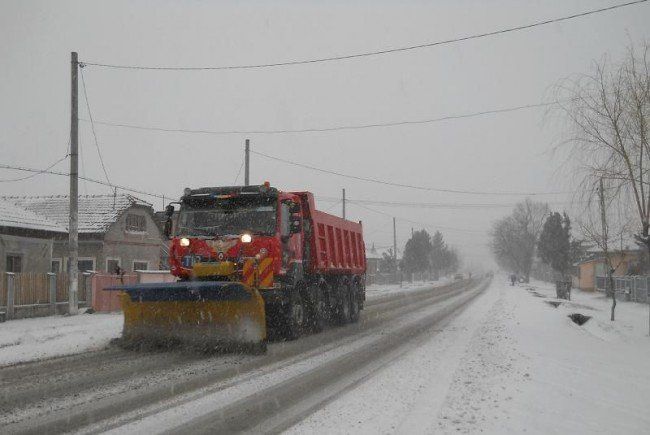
[[96, 212], [14, 216]]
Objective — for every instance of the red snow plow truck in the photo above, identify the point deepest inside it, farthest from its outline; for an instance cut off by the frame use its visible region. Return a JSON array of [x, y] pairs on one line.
[[250, 258]]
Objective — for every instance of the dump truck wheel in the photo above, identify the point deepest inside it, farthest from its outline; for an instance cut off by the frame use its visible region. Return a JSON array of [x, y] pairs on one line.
[[343, 309], [354, 305], [259, 348], [294, 317], [319, 311]]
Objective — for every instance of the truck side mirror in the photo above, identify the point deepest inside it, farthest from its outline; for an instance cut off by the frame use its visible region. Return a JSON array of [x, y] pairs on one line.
[[167, 230], [295, 224], [169, 212]]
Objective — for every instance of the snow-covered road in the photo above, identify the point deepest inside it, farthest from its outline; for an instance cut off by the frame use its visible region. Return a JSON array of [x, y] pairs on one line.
[[112, 389], [510, 363], [41, 338]]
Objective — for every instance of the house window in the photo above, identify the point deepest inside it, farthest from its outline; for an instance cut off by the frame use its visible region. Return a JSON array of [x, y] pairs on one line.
[[136, 223], [140, 265], [14, 263], [113, 265], [86, 264], [55, 265]]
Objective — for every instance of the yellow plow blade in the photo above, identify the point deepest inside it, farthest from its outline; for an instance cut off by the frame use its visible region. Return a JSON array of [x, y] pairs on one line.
[[204, 314]]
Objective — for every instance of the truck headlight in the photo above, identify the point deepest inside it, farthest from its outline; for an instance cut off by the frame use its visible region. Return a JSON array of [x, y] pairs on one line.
[[185, 241], [246, 238]]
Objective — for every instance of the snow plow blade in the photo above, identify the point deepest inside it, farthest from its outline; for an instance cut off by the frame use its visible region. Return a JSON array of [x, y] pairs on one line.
[[209, 315]]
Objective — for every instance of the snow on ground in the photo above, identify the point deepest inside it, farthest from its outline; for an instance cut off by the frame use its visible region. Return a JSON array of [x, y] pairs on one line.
[[377, 290], [46, 337], [510, 363]]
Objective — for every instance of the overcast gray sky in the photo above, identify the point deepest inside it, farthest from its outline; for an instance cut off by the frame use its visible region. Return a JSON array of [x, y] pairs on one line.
[[500, 152]]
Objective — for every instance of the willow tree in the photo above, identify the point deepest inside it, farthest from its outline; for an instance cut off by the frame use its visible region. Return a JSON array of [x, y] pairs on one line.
[[608, 114]]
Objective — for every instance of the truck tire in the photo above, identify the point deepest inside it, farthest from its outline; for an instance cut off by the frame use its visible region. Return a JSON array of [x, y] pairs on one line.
[[355, 307], [319, 312], [294, 317], [344, 304]]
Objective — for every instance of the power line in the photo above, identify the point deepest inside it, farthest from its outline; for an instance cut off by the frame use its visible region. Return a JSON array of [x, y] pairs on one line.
[[333, 205], [91, 180], [42, 171], [239, 172], [92, 124], [432, 205], [371, 53], [418, 223], [332, 128], [409, 186]]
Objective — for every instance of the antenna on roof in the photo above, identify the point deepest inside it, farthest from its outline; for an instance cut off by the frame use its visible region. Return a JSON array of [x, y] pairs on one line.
[[114, 196]]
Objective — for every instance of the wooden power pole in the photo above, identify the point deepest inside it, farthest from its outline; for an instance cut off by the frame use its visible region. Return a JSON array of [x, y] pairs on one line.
[[343, 201], [247, 161], [605, 247], [395, 247], [73, 230]]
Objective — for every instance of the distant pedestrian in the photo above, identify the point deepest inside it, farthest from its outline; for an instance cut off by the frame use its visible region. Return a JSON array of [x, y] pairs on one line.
[[513, 279]]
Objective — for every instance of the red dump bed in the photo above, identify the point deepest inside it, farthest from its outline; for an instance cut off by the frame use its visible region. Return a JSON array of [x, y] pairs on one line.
[[336, 244]]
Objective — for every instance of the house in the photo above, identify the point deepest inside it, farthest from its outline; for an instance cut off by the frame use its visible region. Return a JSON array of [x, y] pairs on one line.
[[26, 239], [114, 231], [626, 262]]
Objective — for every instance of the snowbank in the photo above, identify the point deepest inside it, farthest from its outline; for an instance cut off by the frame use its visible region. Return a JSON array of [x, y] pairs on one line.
[[45, 337]]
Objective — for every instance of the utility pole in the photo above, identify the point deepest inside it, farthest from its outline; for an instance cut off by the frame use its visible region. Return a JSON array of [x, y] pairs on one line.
[[247, 161], [395, 247], [603, 222], [73, 236], [343, 203]]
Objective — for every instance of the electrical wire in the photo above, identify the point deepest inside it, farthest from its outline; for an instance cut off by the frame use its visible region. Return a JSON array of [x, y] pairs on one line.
[[332, 128], [42, 171], [91, 180], [333, 205], [371, 53], [419, 223], [433, 205], [408, 186], [239, 172], [92, 124]]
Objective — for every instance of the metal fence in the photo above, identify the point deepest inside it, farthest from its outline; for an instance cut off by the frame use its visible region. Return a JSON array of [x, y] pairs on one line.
[[630, 288]]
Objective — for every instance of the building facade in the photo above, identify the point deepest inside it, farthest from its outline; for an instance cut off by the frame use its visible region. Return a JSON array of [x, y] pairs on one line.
[[625, 262], [115, 231]]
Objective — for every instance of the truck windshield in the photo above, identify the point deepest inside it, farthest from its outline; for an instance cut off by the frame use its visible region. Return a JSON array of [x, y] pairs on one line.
[[231, 216]]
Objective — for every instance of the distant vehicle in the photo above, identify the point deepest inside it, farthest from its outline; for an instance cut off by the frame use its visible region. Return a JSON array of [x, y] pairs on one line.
[[458, 277]]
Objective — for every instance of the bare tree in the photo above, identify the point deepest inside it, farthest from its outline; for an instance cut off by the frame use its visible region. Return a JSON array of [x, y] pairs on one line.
[[515, 237], [609, 114], [605, 224]]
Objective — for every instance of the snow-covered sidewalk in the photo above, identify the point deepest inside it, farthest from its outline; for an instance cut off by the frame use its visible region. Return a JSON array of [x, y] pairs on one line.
[[47, 337], [510, 363]]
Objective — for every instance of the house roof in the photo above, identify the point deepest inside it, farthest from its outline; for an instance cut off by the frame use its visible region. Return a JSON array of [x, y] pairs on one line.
[[14, 216], [96, 212], [600, 256]]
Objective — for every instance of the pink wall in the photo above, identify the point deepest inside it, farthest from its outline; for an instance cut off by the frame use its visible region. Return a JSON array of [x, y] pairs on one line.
[[107, 301]]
